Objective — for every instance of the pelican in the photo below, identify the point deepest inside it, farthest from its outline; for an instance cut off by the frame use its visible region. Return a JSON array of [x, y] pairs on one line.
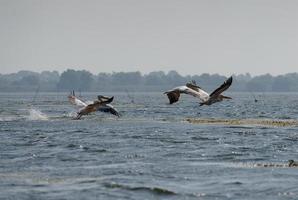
[[101, 104], [293, 163], [194, 90]]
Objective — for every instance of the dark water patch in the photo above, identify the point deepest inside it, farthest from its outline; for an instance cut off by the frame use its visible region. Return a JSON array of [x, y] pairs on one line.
[[94, 150], [87, 181], [234, 183], [71, 146], [153, 190], [241, 127], [173, 141], [203, 138], [226, 156], [293, 138], [136, 136], [244, 149], [50, 144], [134, 156], [245, 133], [67, 158]]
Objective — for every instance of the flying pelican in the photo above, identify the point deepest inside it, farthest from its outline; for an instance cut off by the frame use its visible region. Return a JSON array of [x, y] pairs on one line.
[[102, 104], [196, 91]]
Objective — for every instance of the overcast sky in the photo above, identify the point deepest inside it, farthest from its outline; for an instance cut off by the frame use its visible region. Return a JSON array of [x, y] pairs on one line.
[[191, 37]]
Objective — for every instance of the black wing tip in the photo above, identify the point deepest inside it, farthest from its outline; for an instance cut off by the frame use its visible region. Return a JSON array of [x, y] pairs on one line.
[[118, 114], [105, 99], [114, 112], [229, 80]]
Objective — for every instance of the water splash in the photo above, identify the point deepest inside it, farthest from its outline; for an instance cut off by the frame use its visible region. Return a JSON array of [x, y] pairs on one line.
[[72, 114], [35, 114], [8, 118]]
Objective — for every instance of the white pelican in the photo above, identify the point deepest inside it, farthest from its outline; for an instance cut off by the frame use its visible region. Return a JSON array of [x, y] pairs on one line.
[[102, 104], [196, 91]]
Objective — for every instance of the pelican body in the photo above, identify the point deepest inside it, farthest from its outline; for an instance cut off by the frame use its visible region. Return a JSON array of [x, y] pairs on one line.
[[196, 91], [101, 104]]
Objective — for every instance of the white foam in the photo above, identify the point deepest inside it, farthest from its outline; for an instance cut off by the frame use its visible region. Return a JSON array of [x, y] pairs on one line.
[[71, 114], [35, 114], [8, 118]]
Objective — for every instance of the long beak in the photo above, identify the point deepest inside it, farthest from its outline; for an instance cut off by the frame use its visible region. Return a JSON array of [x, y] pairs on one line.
[[225, 97]]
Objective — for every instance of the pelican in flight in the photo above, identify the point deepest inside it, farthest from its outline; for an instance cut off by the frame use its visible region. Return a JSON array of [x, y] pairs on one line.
[[101, 104], [194, 90]]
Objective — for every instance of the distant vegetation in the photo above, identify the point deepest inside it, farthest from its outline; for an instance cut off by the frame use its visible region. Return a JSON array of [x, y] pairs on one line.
[[83, 80]]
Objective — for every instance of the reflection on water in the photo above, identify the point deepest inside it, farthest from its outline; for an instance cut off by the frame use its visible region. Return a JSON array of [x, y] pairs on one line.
[[237, 149]]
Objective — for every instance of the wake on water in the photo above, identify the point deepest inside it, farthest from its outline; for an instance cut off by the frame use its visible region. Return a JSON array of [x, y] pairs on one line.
[[37, 115], [8, 118], [33, 114]]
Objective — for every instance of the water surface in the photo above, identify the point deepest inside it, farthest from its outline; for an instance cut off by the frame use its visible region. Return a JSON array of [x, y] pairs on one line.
[[151, 152]]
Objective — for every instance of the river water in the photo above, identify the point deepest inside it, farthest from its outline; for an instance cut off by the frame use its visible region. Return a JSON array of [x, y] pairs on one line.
[[152, 151]]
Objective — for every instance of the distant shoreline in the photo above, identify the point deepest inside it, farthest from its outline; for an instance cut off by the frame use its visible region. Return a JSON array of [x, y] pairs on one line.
[[82, 80]]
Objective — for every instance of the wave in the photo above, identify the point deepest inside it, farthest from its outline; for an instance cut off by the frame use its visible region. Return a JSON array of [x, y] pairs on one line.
[[154, 190]]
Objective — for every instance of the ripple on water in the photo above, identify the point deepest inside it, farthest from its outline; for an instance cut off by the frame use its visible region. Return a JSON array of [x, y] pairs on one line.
[[151, 152], [153, 190]]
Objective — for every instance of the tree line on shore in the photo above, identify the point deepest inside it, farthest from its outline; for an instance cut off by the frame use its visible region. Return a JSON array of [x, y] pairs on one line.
[[82, 80]]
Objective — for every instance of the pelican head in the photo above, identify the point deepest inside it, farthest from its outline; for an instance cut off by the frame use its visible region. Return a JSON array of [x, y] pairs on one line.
[[292, 163]]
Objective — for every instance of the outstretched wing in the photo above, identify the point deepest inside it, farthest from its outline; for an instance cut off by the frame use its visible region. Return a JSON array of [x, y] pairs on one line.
[[223, 87], [199, 93], [76, 101], [174, 94], [105, 99], [109, 108]]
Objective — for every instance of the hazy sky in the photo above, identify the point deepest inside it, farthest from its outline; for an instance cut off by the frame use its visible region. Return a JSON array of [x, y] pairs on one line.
[[191, 37]]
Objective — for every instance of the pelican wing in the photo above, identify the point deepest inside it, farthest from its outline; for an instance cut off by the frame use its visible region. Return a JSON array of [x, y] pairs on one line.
[[105, 98], [222, 88], [76, 101], [199, 93], [109, 108], [173, 96]]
